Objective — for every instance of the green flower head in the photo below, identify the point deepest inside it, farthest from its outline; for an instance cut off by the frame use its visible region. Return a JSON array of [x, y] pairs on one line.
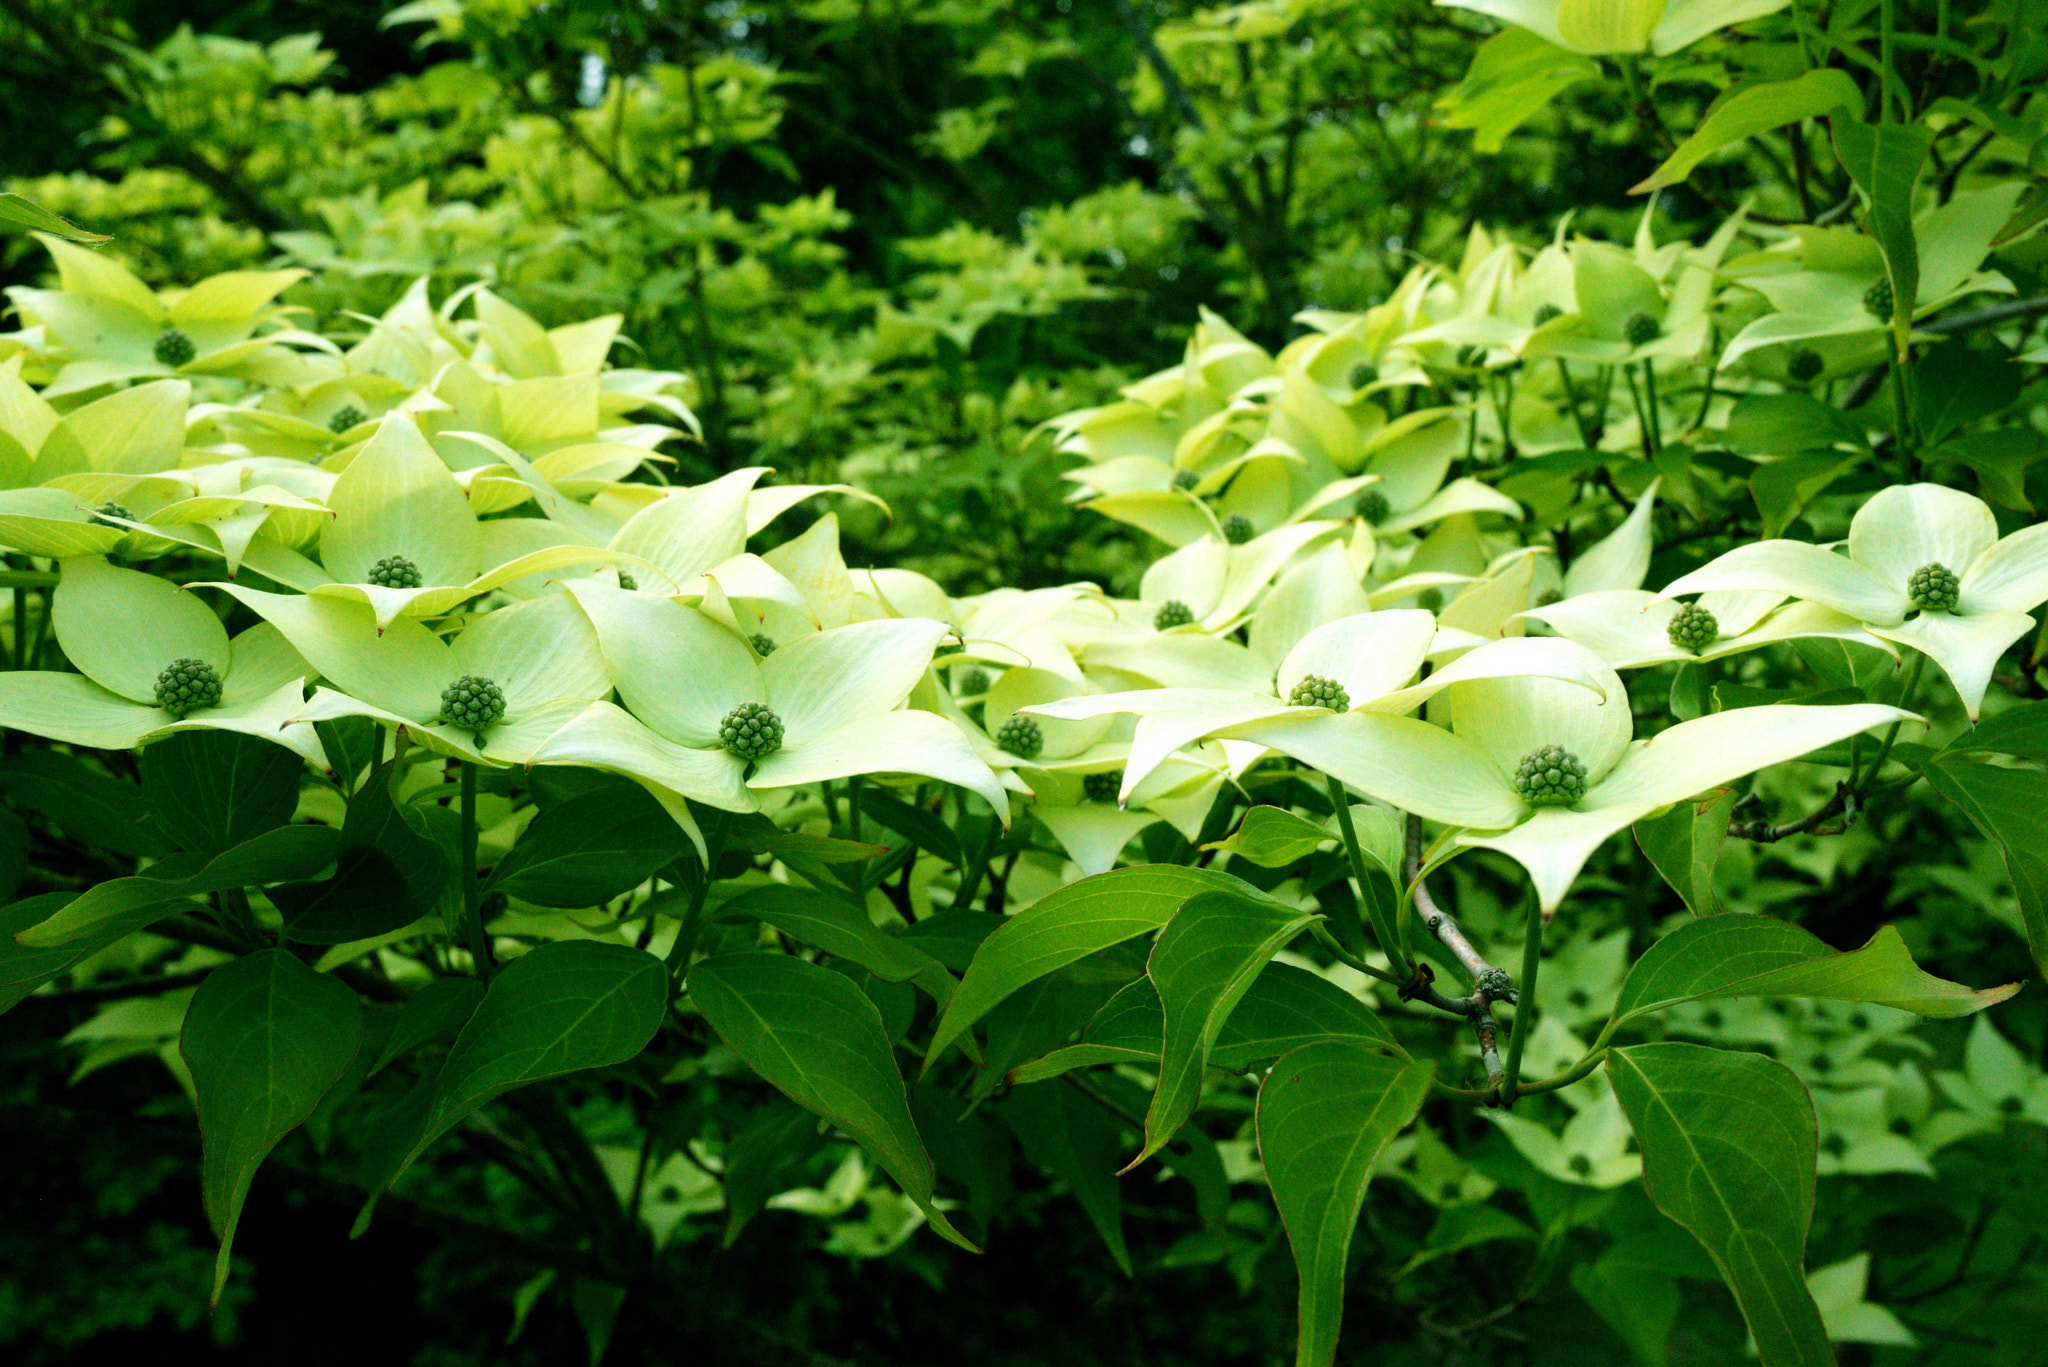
[[187, 685], [1641, 329], [1693, 628], [1238, 529], [1021, 737], [174, 348], [1878, 301], [751, 731], [1550, 776], [345, 417], [1316, 691], [1546, 313], [1933, 588], [1102, 787], [394, 572], [472, 703], [111, 509], [1172, 613], [1805, 365], [1185, 479], [1372, 505], [763, 644]]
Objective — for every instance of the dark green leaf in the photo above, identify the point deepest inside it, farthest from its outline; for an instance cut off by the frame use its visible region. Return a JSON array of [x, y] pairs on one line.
[[19, 212], [2000, 460], [1326, 1113], [211, 790], [2011, 807], [2021, 731], [1287, 1007], [1685, 844], [1272, 837], [843, 931], [265, 1037], [1466, 1226], [953, 936], [1884, 160], [352, 746], [1075, 1140], [589, 849], [14, 846], [24, 968], [386, 875], [1744, 113], [83, 803], [1036, 1017], [1787, 424], [1956, 384], [1729, 1146], [915, 823], [816, 1036], [1782, 488], [764, 1158], [437, 1011]]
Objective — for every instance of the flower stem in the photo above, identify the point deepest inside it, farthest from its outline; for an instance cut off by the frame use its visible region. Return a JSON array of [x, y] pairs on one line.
[[1525, 1002], [1891, 733], [472, 894], [693, 916], [1382, 928]]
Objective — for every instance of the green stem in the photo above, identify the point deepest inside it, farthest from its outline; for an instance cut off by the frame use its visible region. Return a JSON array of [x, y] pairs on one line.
[[693, 916], [241, 917], [1382, 930], [1593, 1059], [20, 627], [1884, 750], [1347, 958], [1650, 407], [1571, 394], [27, 579], [1902, 408], [853, 808], [472, 894], [1887, 23], [1525, 1000], [831, 803]]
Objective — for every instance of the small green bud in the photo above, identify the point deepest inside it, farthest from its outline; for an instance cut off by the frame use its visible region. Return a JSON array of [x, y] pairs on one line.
[[1238, 529], [1172, 613], [394, 572], [1430, 600], [970, 682], [186, 685], [1933, 588], [1185, 479], [1641, 329], [1363, 374], [763, 644], [1805, 365], [1550, 776], [1372, 505], [1546, 313], [1020, 736], [174, 348], [1878, 301], [345, 417], [111, 509], [751, 731], [1692, 628], [472, 703], [1102, 787], [628, 582], [1497, 983], [1316, 691]]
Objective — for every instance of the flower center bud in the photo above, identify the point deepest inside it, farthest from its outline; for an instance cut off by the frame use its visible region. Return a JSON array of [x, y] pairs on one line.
[[186, 685], [751, 731], [1805, 365], [1185, 479], [1550, 776], [1172, 613], [111, 509], [1430, 600], [1933, 588], [394, 572], [1372, 505], [1641, 329], [174, 348], [1316, 691], [345, 417], [628, 582], [763, 644], [1878, 301], [1692, 628], [1020, 736], [1102, 787], [1238, 529], [472, 703], [970, 682]]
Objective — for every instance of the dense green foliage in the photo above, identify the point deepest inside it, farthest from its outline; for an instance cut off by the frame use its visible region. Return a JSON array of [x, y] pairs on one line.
[[528, 296]]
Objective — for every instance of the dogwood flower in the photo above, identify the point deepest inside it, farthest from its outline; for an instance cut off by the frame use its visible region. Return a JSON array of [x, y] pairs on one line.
[[1925, 568], [152, 659], [1601, 28], [1544, 769], [709, 720]]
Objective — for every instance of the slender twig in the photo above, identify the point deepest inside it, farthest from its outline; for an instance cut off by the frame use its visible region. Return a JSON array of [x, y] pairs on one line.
[[1843, 803], [1525, 1009], [95, 993]]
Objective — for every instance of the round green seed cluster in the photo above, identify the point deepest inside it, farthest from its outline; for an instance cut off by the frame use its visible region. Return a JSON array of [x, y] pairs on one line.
[[628, 582], [1372, 505], [1172, 613], [1238, 529], [1102, 787], [751, 731], [1692, 628], [1364, 374], [970, 682], [345, 417], [186, 685], [1185, 479], [1878, 301], [111, 509], [1805, 365], [472, 703], [1430, 600], [1546, 313], [1020, 735], [174, 347], [1315, 690], [1641, 329], [1933, 588], [1550, 776], [763, 644], [394, 572]]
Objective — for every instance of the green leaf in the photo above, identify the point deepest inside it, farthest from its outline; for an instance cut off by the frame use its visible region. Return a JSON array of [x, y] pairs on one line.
[[816, 1036], [386, 874], [2000, 459], [764, 1158], [1203, 963], [1325, 1114], [1513, 75], [1685, 844], [919, 825], [24, 968], [843, 931], [1782, 488], [1884, 160], [1744, 113], [1956, 384], [125, 904], [1068, 924], [590, 849], [1729, 1147], [2011, 807], [1076, 1141], [1466, 1226], [19, 212], [437, 1011], [1786, 424], [1038, 1016], [561, 1008], [2021, 731], [265, 1037], [1755, 956], [1272, 838], [1287, 1007], [83, 803], [211, 790]]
